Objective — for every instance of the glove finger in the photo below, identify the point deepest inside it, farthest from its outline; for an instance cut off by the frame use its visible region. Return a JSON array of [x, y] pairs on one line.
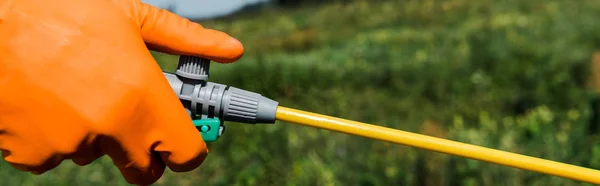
[[133, 160], [88, 153], [144, 176], [176, 139], [86, 159], [36, 159], [167, 32], [47, 165]]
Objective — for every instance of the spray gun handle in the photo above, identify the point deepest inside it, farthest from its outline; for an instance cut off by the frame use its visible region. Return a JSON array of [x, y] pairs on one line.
[[211, 104], [193, 71]]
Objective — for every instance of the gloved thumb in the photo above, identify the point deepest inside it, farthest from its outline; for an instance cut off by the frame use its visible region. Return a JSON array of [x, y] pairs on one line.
[[167, 32]]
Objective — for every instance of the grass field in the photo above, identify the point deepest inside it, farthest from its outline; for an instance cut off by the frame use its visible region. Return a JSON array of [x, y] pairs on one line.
[[511, 75]]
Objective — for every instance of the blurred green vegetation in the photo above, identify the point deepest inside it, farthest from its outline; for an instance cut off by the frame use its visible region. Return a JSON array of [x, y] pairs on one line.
[[505, 74]]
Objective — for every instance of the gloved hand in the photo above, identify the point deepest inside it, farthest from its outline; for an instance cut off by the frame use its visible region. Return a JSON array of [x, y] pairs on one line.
[[77, 82]]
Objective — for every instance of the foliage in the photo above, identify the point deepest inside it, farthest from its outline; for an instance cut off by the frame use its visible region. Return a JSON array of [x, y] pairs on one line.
[[506, 74]]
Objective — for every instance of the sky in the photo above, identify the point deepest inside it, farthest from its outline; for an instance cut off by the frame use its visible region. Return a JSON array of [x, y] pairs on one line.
[[202, 9]]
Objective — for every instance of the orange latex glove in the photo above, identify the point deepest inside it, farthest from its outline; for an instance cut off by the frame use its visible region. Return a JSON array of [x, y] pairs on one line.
[[77, 82]]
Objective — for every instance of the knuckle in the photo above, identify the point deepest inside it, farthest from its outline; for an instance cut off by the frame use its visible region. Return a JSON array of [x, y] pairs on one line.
[[188, 158]]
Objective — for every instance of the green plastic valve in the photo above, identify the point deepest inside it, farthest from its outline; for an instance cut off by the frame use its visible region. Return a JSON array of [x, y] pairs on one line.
[[210, 129]]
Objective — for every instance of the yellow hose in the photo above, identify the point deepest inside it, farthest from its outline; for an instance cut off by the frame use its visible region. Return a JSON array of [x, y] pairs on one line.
[[439, 145]]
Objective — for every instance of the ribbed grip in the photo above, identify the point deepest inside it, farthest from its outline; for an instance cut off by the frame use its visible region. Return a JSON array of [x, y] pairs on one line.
[[193, 68], [242, 104], [248, 107]]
